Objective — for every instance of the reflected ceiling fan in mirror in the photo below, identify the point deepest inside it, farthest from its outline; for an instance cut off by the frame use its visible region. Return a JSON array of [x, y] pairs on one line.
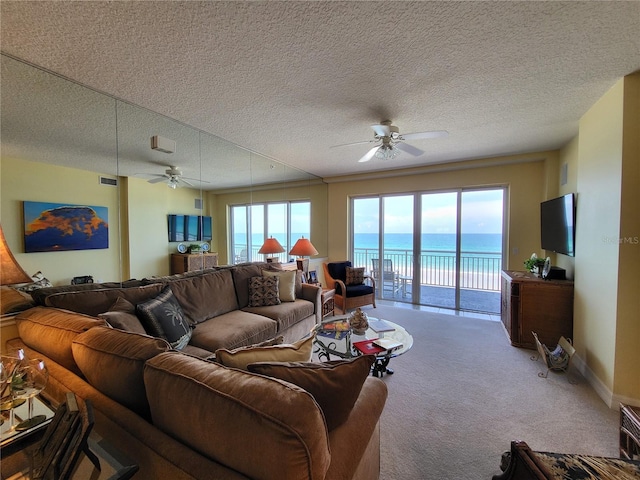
[[173, 177], [390, 143]]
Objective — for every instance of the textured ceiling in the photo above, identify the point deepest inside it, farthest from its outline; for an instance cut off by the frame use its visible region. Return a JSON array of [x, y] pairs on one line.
[[291, 79]]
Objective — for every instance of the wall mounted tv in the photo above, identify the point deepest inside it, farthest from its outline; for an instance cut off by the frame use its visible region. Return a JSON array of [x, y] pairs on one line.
[[557, 224], [189, 228]]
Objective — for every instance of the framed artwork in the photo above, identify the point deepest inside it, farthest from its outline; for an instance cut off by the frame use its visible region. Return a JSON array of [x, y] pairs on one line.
[[57, 227], [313, 277]]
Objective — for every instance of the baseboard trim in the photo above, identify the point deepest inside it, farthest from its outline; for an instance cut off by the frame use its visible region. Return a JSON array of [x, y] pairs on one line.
[[611, 399]]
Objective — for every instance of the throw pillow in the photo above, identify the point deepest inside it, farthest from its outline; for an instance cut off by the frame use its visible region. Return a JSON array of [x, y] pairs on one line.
[[355, 276], [122, 315], [299, 351], [263, 291], [287, 285], [162, 317], [335, 385], [12, 300]]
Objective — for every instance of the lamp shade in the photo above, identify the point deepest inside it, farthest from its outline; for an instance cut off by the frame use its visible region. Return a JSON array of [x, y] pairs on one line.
[[303, 248], [271, 245], [10, 271]]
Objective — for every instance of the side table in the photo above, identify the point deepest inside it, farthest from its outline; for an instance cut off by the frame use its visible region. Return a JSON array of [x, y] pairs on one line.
[[327, 297], [629, 432]]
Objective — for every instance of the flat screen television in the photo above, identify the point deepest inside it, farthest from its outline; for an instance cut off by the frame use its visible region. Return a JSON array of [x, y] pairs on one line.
[[557, 224], [189, 228]]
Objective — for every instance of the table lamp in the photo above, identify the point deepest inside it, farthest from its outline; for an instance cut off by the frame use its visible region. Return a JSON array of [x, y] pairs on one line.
[[271, 245], [303, 248], [10, 270]]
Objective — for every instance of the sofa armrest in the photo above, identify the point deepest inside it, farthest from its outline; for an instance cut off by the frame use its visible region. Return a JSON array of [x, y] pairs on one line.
[[349, 442], [313, 294]]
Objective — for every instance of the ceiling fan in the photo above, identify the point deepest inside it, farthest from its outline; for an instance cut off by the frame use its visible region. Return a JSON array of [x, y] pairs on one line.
[[173, 177], [390, 142]]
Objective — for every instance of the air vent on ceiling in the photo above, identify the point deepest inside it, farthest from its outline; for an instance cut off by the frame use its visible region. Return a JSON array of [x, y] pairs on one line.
[[112, 182], [163, 144]]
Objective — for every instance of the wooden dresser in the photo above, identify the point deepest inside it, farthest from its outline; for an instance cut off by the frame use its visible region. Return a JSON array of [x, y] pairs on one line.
[[531, 304], [188, 262]]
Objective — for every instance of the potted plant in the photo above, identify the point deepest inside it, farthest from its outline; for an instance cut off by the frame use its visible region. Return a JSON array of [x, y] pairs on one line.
[[534, 265]]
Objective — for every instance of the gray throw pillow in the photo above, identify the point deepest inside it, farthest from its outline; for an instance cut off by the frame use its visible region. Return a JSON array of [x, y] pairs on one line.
[[163, 317]]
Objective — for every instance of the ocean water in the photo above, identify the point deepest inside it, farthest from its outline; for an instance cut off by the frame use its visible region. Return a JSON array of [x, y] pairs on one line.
[[431, 242], [434, 242]]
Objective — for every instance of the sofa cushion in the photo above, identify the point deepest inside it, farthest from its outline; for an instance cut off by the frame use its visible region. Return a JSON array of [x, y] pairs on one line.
[[335, 385], [263, 291], [122, 315], [51, 331], [287, 284], [205, 296], [163, 317], [113, 362], [12, 300], [95, 302], [286, 314], [241, 276], [259, 426], [354, 276], [232, 330], [299, 351]]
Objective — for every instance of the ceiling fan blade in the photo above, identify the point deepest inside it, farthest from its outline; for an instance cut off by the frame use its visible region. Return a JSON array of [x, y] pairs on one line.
[[433, 134], [382, 130], [194, 179], [369, 155], [182, 180], [353, 143], [416, 152], [161, 178]]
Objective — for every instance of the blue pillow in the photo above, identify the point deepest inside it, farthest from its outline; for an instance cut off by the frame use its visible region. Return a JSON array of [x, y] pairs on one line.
[[338, 270]]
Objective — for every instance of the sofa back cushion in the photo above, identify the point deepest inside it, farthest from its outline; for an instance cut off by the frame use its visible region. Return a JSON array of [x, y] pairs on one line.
[[338, 270], [51, 331], [259, 426], [113, 360], [241, 278], [206, 296], [95, 302]]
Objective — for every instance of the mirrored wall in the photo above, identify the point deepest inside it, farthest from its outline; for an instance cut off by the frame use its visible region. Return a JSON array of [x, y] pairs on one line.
[[64, 143]]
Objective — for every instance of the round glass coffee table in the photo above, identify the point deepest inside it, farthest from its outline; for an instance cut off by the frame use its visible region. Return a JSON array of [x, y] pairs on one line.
[[335, 338]]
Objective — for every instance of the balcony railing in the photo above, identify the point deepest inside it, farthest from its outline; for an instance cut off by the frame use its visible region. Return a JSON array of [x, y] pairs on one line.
[[478, 270]]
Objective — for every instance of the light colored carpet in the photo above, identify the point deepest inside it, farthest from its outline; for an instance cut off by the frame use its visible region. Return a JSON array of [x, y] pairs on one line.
[[462, 393]]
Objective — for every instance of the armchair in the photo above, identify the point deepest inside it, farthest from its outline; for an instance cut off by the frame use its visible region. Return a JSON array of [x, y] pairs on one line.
[[348, 296]]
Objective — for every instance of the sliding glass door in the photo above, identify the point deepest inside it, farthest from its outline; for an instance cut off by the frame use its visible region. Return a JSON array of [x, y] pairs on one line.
[[442, 249]]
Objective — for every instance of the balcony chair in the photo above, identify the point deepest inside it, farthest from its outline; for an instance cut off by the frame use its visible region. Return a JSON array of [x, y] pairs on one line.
[[389, 278], [348, 297]]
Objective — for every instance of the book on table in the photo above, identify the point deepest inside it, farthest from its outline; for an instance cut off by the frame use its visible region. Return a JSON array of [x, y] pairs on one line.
[[335, 325], [388, 343], [368, 347], [333, 334], [380, 326]]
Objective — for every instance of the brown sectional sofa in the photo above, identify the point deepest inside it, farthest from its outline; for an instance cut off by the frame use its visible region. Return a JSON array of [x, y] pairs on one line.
[[179, 416], [215, 301]]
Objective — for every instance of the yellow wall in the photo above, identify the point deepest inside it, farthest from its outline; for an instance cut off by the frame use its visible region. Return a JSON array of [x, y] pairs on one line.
[[626, 385], [606, 327], [23, 180], [526, 177]]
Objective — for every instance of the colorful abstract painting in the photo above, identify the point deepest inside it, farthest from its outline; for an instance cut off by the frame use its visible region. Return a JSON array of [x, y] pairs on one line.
[[57, 227]]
